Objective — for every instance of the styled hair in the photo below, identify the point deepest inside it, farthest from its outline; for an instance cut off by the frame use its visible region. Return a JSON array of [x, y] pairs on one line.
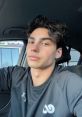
[[57, 30]]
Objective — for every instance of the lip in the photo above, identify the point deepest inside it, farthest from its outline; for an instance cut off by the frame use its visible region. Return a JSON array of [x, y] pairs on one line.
[[33, 58]]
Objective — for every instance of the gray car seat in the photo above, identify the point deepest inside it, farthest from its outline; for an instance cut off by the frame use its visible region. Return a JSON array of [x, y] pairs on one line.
[[76, 69]]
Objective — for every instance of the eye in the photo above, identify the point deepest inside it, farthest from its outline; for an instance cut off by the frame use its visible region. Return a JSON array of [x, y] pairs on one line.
[[30, 41], [45, 43]]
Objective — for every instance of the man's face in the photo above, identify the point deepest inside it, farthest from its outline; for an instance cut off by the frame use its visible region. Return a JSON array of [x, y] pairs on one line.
[[41, 50]]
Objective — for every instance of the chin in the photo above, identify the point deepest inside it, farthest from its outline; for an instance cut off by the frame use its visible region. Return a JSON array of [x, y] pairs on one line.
[[33, 66]]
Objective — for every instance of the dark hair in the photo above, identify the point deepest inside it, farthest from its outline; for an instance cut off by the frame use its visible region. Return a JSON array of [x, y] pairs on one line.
[[59, 31]]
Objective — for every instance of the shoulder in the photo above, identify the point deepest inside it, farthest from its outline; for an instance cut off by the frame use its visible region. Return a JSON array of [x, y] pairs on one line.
[[11, 69], [73, 90], [69, 81], [19, 68], [71, 74], [70, 77], [19, 74], [71, 84]]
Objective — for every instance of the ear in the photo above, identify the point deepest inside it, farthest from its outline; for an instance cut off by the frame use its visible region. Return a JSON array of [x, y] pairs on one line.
[[58, 53]]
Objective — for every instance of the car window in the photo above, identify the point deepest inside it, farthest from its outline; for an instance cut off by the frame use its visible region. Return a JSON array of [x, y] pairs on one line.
[[74, 57], [9, 52]]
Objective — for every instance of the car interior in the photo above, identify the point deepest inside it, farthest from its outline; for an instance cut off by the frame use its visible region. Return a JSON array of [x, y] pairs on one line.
[[14, 16]]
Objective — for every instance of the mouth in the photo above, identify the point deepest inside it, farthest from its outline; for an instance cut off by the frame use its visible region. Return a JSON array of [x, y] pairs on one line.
[[33, 58]]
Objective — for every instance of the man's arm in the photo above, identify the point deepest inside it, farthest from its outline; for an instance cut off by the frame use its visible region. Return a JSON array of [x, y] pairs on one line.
[[74, 94], [6, 78], [11, 76]]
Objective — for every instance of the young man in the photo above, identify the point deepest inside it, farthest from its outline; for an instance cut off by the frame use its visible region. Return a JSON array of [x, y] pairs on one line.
[[43, 89]]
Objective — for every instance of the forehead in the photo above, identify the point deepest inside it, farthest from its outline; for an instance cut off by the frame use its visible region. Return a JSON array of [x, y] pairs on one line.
[[40, 33]]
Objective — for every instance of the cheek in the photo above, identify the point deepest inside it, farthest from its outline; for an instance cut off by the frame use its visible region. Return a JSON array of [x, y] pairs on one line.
[[49, 54]]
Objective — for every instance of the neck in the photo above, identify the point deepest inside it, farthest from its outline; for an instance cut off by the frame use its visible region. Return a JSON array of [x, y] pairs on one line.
[[39, 76]]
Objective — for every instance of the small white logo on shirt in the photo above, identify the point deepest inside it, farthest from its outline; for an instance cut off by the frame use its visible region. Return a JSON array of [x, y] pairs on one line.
[[48, 109], [23, 96]]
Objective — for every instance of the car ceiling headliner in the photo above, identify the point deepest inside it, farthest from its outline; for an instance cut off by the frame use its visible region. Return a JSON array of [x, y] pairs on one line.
[[17, 13]]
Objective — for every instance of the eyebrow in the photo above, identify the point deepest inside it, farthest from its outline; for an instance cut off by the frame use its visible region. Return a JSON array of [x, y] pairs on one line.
[[44, 38]]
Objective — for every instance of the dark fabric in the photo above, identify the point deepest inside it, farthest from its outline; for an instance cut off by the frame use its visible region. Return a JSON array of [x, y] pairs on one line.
[[59, 96], [4, 103]]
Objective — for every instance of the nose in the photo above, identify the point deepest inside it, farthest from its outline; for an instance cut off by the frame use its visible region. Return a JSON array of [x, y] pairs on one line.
[[35, 48]]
